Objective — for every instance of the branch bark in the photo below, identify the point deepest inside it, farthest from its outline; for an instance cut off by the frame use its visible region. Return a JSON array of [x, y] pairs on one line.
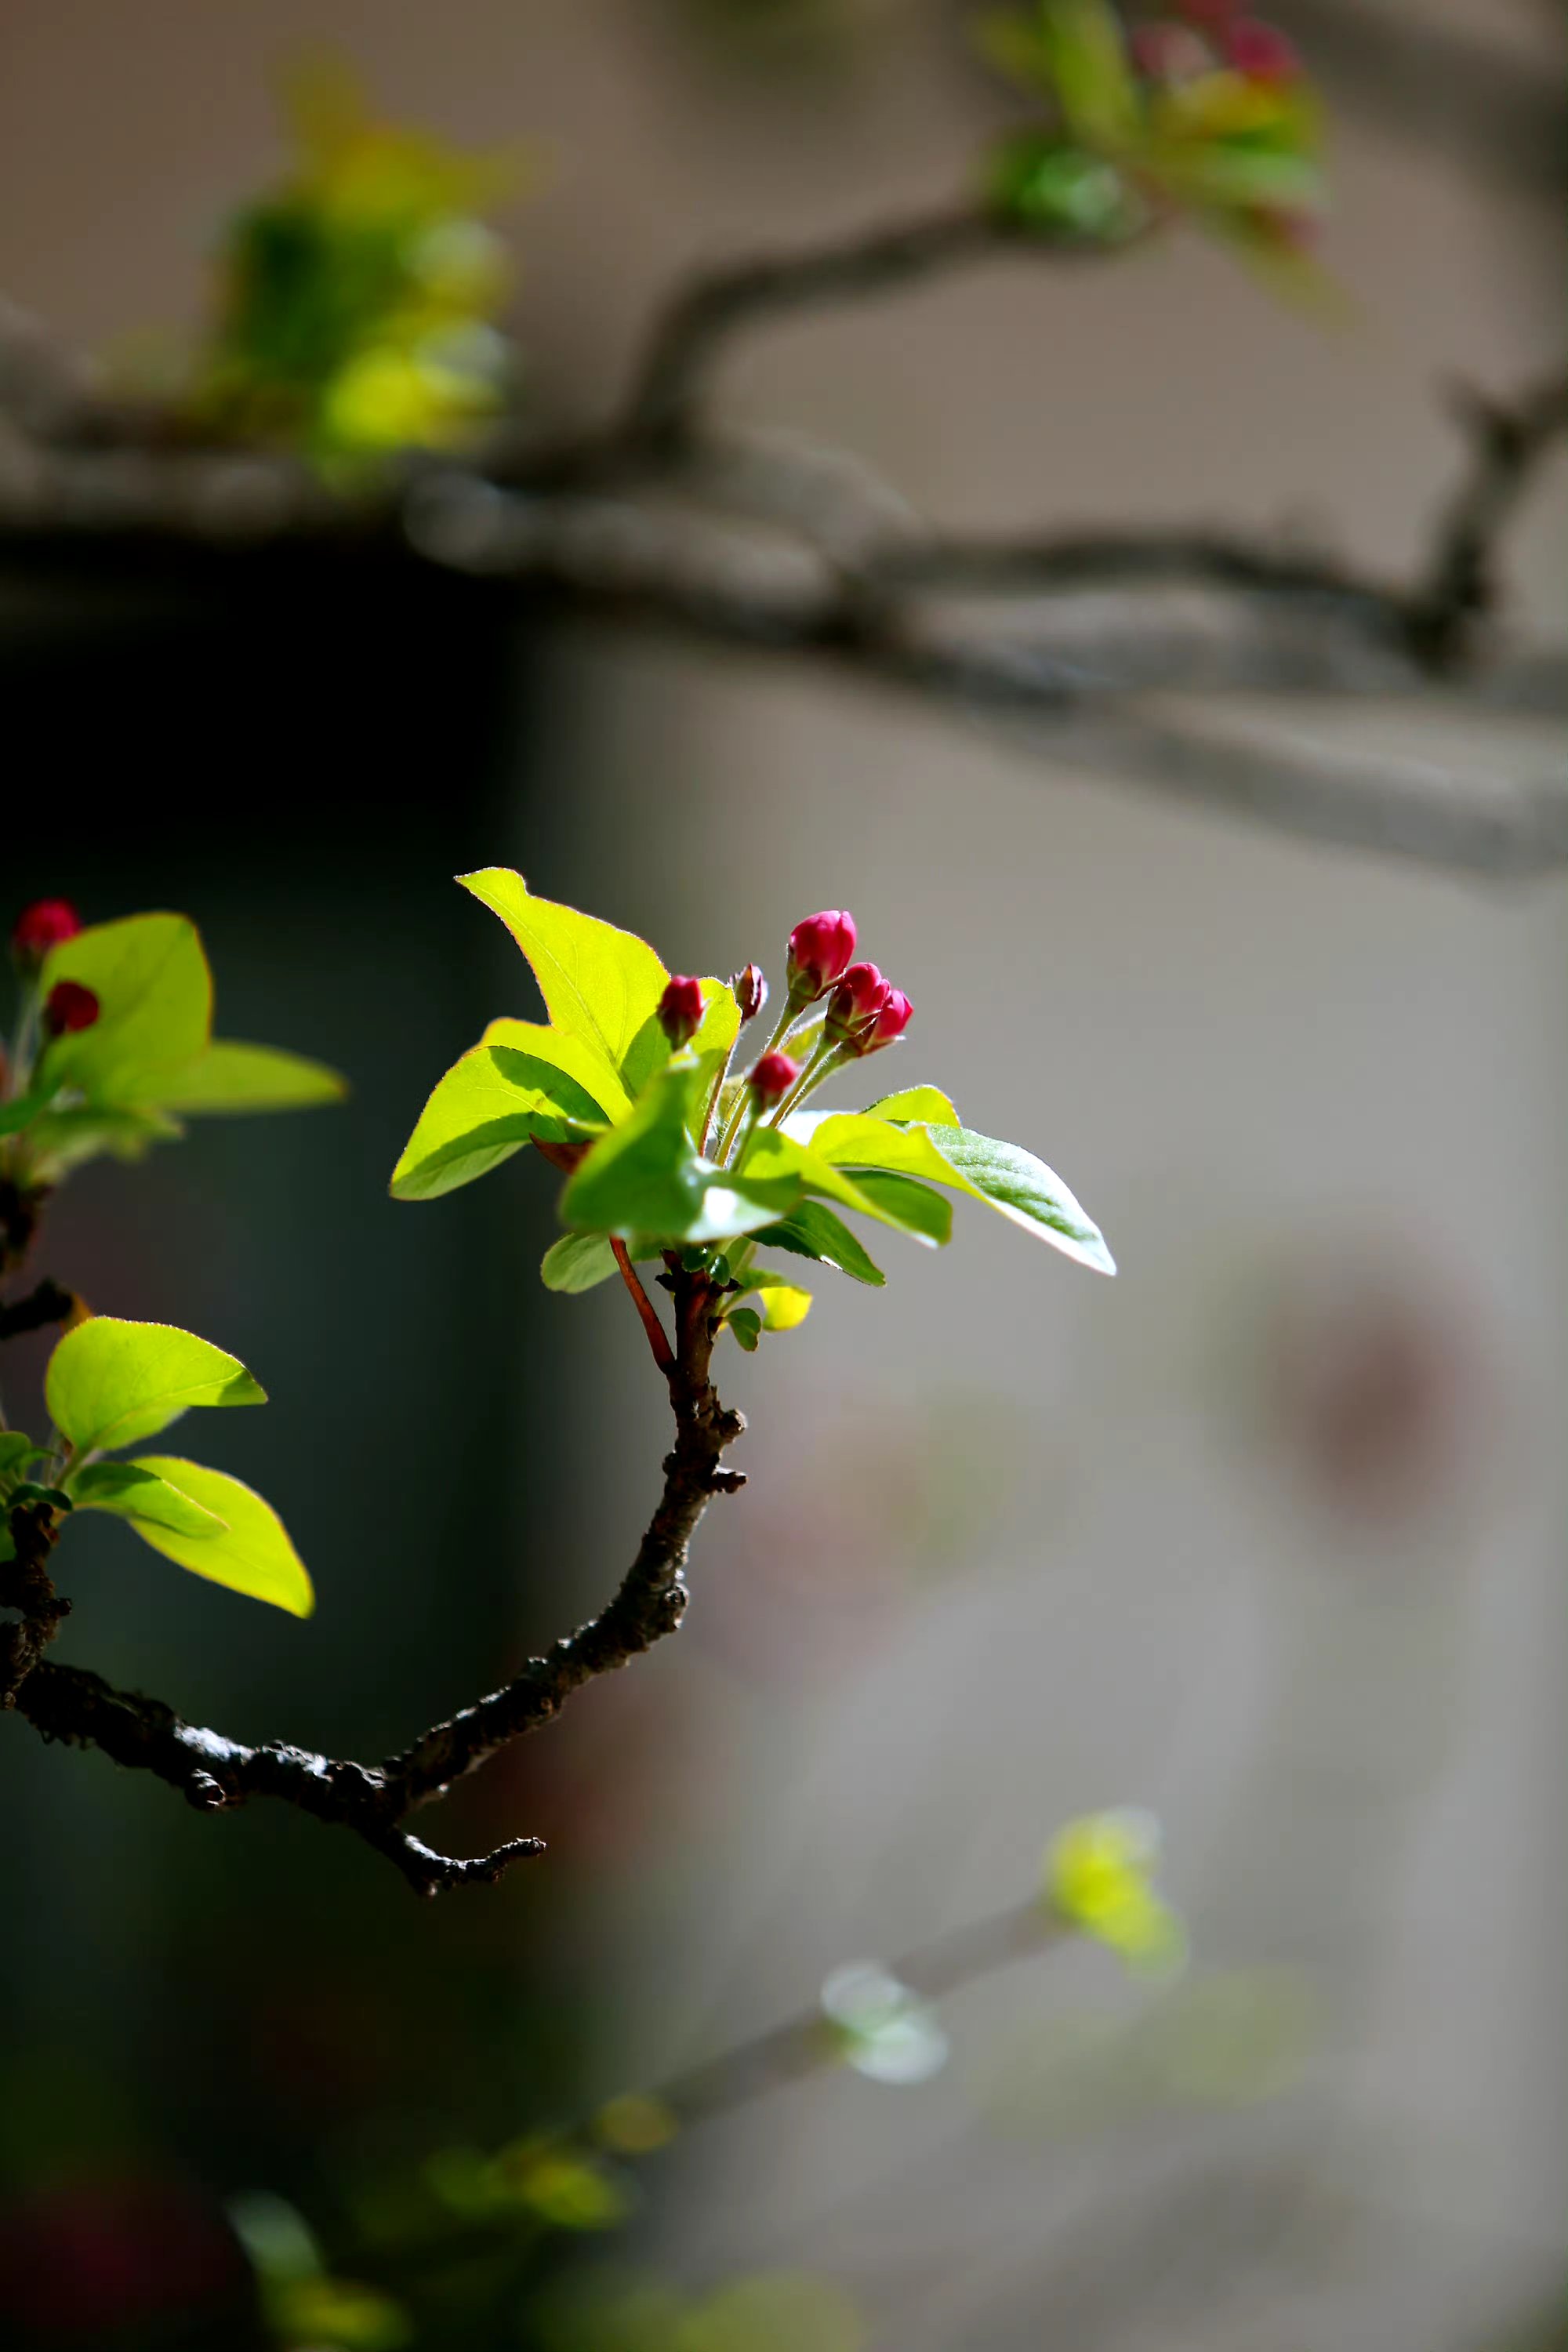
[[214, 1773]]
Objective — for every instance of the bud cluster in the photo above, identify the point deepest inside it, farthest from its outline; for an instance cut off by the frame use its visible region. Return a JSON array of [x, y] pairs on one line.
[[1202, 37]]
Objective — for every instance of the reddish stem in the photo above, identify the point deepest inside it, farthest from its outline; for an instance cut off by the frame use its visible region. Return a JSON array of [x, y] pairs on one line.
[[663, 1354]]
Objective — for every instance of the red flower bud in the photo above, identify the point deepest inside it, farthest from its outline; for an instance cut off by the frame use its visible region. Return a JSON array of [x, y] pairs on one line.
[[1261, 52], [69, 1006], [819, 948], [750, 988], [772, 1079], [43, 926], [855, 1003], [680, 1010], [890, 1023]]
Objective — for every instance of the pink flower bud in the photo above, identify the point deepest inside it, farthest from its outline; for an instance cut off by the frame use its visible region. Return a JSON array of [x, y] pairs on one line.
[[1261, 52], [890, 1023], [772, 1079], [1170, 53], [750, 990], [855, 1003], [819, 948], [680, 1010], [69, 1006], [42, 926]]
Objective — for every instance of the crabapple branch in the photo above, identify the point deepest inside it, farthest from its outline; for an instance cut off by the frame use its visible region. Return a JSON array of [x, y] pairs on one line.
[[214, 1773]]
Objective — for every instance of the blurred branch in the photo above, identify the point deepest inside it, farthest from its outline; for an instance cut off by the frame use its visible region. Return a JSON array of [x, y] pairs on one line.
[[215, 1773], [639, 524]]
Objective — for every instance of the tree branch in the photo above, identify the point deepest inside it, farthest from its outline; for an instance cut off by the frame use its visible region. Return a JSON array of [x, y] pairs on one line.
[[215, 1773], [1507, 441]]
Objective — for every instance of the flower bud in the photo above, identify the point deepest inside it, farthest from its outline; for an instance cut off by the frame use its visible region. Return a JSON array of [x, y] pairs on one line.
[[770, 1079], [855, 1003], [42, 926], [889, 1023], [1170, 53], [680, 1010], [750, 988], [1261, 52], [70, 1006], [819, 949]]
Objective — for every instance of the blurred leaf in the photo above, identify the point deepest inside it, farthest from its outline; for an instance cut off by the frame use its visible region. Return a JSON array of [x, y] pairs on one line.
[[253, 1555], [132, 1492], [16, 1450], [1097, 1878], [880, 2027], [320, 2312], [230, 1076], [59, 1141], [521, 1080], [598, 983], [747, 1328], [1044, 181], [636, 2123], [155, 994], [110, 1381], [1086, 57], [812, 1232], [577, 1262]]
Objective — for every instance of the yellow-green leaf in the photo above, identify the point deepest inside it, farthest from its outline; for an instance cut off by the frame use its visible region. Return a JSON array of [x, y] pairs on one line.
[[521, 1080], [231, 1076], [110, 1381], [599, 983], [131, 1492], [253, 1554], [928, 1104], [155, 1003]]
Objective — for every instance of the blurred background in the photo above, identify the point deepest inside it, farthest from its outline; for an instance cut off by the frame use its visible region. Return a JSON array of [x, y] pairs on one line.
[[1268, 1536]]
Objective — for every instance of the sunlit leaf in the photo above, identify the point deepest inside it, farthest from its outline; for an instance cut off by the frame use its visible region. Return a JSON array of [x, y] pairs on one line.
[[927, 1106], [1007, 1178], [231, 1076], [154, 996], [774, 1156], [519, 1081], [253, 1555], [110, 1381], [784, 1303], [131, 1492], [647, 1177], [913, 1208], [1086, 57], [599, 983]]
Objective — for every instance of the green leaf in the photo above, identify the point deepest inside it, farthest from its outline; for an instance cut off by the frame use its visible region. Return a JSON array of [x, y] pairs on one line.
[[1087, 60], [253, 1555], [134, 1493], [17, 1114], [110, 1381], [521, 1080], [599, 983], [25, 1491], [912, 1207], [16, 1450], [811, 1231], [230, 1076], [747, 1328], [577, 1262], [155, 1003], [712, 1044], [1007, 1178], [647, 1177], [925, 1105]]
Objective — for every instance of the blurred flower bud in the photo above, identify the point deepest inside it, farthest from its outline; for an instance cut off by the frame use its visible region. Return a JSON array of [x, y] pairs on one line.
[[751, 992], [854, 1003], [680, 1010], [1170, 53], [1259, 51], [889, 1023], [1211, 15], [42, 926], [70, 1006], [772, 1079], [819, 948]]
